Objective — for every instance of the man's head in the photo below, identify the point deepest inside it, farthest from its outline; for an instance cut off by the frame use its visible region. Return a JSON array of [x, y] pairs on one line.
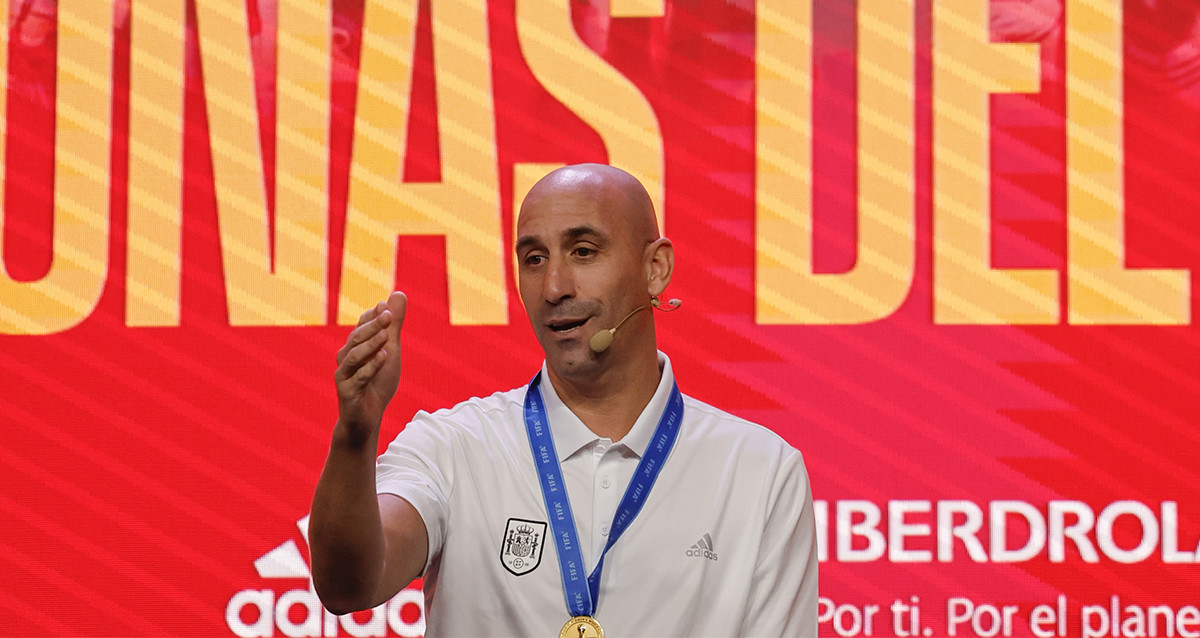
[[588, 254]]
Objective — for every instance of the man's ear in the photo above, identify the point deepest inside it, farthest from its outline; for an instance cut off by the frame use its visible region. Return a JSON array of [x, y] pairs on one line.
[[660, 263]]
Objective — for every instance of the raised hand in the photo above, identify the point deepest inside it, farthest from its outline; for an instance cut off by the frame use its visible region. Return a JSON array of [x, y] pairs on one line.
[[368, 371]]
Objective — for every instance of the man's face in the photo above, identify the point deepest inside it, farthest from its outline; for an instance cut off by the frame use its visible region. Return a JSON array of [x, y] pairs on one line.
[[580, 270]]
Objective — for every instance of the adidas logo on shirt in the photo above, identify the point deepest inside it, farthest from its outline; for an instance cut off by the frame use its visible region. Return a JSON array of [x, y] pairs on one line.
[[703, 548]]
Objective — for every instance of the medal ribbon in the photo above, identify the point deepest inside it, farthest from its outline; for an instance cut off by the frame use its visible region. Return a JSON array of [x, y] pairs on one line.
[[582, 596]]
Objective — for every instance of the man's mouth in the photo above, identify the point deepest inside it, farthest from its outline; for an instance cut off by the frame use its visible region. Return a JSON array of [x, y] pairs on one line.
[[565, 325]]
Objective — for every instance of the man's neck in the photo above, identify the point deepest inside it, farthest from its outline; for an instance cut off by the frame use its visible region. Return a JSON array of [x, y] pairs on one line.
[[610, 402]]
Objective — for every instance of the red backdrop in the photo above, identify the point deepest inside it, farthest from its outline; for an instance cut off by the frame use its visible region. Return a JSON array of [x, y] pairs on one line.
[[978, 476]]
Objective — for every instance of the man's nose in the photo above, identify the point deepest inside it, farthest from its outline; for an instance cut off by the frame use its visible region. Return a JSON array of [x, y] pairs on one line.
[[559, 283]]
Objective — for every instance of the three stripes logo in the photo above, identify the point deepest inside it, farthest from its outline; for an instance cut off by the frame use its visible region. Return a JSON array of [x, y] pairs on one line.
[[703, 548]]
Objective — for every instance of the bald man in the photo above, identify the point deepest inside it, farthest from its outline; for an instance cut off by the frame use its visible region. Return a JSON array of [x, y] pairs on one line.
[[597, 499]]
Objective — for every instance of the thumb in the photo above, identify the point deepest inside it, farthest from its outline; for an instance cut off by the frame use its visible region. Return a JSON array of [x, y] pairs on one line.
[[397, 303]]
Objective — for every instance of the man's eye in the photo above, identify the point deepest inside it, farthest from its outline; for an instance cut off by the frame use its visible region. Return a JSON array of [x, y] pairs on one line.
[[534, 260], [584, 251]]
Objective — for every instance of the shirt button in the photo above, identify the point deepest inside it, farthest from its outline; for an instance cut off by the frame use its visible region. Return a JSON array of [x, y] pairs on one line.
[[604, 529], [605, 483]]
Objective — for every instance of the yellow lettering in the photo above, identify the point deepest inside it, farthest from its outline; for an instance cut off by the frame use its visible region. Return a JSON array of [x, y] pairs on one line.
[[1100, 290], [967, 69], [83, 129], [465, 206], [153, 255], [291, 290], [787, 291], [636, 8], [593, 90]]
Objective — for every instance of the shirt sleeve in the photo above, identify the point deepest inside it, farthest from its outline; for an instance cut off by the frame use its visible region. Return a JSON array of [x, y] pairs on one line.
[[783, 599], [417, 466]]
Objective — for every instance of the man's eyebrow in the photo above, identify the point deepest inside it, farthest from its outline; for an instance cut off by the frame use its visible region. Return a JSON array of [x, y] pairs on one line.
[[579, 232], [569, 235], [526, 241]]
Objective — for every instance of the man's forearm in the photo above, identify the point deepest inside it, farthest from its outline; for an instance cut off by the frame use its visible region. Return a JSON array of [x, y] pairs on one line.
[[345, 530]]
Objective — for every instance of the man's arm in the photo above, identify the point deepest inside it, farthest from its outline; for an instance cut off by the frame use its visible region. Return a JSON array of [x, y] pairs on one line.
[[364, 547], [783, 600]]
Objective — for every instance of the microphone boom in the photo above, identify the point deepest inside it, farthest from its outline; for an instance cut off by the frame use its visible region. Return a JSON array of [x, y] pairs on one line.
[[603, 339]]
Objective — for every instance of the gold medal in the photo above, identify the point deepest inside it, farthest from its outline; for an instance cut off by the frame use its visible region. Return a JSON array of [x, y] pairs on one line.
[[581, 627]]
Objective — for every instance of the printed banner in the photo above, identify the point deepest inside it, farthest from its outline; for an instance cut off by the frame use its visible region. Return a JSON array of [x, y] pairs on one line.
[[943, 247]]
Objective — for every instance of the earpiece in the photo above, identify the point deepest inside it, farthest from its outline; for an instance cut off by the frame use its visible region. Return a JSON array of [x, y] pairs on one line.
[[672, 304]]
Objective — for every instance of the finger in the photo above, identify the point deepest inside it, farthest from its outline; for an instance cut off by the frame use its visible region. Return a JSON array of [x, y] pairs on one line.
[[353, 386], [371, 313], [367, 371], [364, 333], [355, 357], [357, 337]]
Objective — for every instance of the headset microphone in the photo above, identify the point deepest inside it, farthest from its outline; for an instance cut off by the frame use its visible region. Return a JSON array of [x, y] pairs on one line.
[[603, 339]]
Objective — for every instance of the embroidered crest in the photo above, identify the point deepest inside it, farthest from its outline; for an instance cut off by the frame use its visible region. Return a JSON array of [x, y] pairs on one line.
[[521, 547]]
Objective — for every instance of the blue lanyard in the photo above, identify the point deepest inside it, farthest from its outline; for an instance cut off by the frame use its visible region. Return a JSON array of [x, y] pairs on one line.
[[581, 598]]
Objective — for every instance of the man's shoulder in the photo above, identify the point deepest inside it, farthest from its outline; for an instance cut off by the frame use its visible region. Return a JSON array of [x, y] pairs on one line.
[[477, 411], [497, 401], [715, 426], [758, 464], [471, 426]]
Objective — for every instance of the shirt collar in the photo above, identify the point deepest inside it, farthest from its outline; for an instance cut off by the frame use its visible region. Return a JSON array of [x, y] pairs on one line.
[[571, 435]]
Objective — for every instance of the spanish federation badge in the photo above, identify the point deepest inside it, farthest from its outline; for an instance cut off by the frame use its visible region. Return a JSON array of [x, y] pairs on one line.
[[521, 547], [582, 627]]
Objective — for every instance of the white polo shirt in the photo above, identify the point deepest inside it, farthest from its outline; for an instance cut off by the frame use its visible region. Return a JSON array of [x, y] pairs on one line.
[[724, 546]]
